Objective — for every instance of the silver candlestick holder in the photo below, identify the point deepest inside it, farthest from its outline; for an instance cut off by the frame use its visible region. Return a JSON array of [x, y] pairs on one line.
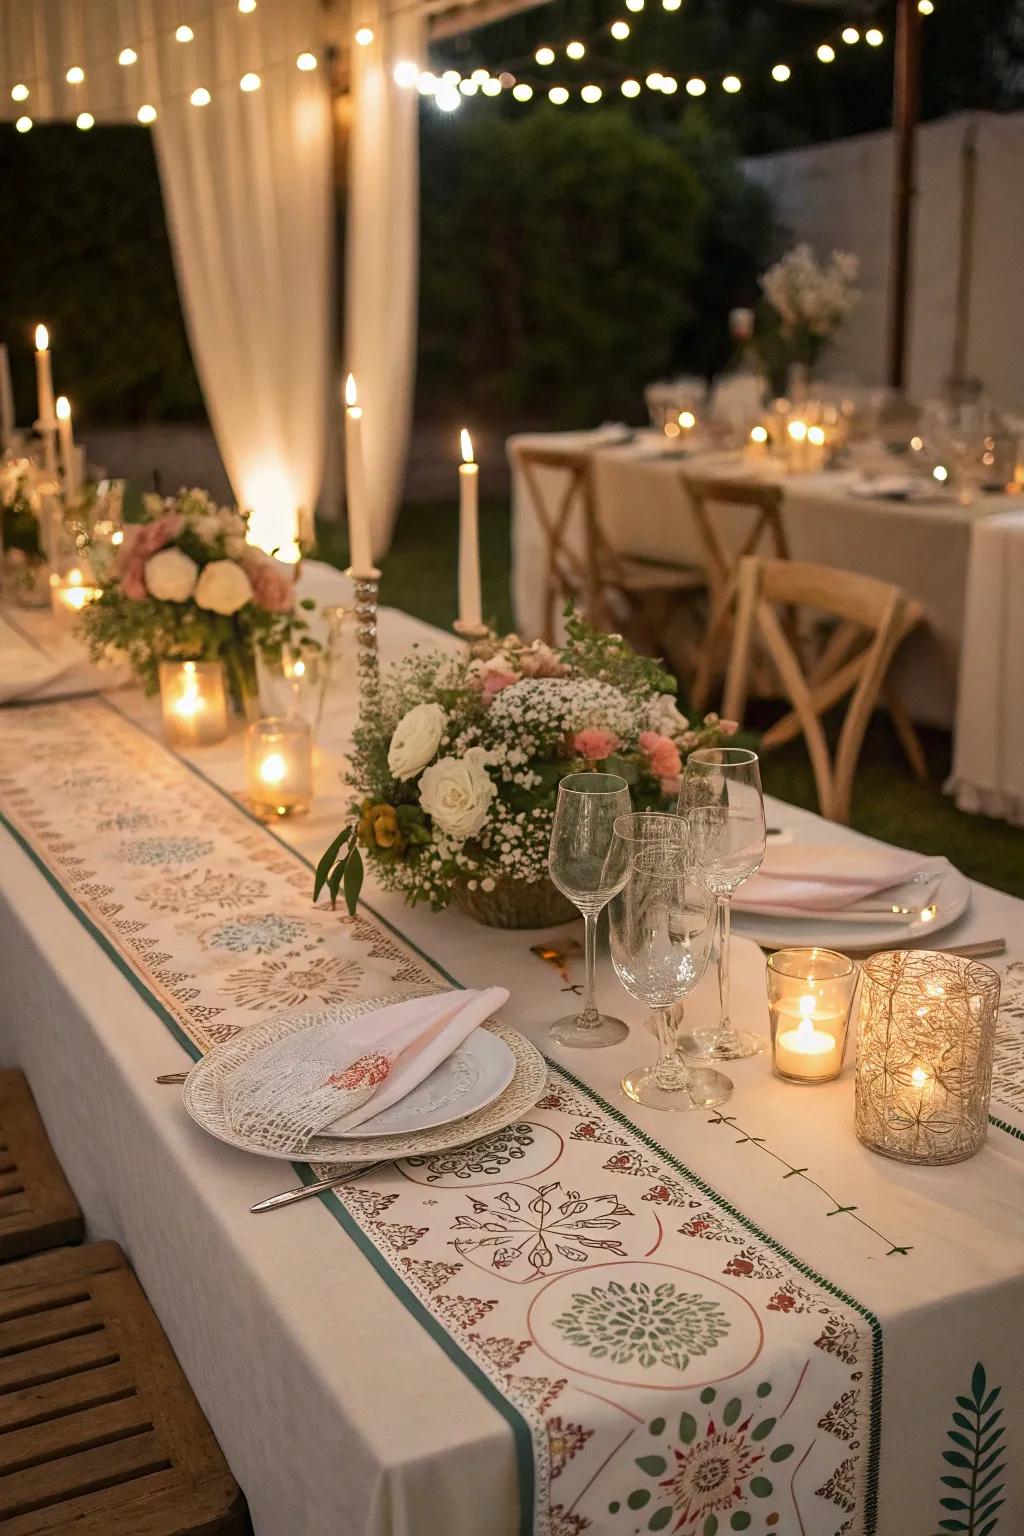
[[367, 585], [476, 636]]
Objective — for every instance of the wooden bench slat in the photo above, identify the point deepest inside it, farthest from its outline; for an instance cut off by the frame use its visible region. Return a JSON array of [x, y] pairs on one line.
[[123, 1510], [37, 1208], [62, 1437], [84, 1472], [69, 1394], [52, 1361], [49, 1326]]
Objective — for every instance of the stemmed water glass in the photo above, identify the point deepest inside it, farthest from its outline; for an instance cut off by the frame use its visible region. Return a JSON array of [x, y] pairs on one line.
[[589, 866], [662, 929], [723, 804]]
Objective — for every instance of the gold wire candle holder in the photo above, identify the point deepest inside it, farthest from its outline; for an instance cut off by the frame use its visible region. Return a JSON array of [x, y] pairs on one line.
[[926, 1038]]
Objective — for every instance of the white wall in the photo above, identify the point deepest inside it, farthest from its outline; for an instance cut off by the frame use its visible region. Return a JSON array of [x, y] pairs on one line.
[[838, 196]]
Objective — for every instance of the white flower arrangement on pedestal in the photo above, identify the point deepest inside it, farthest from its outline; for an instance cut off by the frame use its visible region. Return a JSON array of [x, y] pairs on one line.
[[806, 302]]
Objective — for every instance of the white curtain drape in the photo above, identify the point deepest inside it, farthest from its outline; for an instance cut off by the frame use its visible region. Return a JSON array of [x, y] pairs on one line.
[[247, 188], [382, 248]]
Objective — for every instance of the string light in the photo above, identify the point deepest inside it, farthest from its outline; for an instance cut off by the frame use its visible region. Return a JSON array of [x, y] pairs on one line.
[[127, 56], [146, 113], [468, 87], [364, 37], [781, 72], [183, 34], [491, 87], [558, 95], [669, 85], [84, 120], [200, 97], [631, 88], [522, 91], [874, 38], [925, 7], [575, 50], [447, 97], [450, 77], [480, 75], [634, 5], [306, 62], [426, 83], [671, 5], [654, 79], [23, 124], [250, 81], [591, 94], [246, 7], [75, 75], [620, 31], [545, 56], [405, 72], [851, 35], [695, 86], [826, 53], [732, 83], [19, 93]]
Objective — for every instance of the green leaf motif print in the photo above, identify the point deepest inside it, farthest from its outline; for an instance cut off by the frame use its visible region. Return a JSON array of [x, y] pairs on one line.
[[977, 1462], [654, 1325]]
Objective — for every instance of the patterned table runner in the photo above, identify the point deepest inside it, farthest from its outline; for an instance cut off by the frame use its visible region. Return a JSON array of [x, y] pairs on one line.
[[663, 1363]]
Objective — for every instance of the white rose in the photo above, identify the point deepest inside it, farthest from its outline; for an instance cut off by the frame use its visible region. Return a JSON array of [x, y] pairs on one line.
[[457, 793], [664, 717], [416, 739], [223, 587], [170, 576]]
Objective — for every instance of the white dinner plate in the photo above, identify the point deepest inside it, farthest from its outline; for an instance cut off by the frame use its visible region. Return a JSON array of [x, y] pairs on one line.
[[469, 1079], [837, 931]]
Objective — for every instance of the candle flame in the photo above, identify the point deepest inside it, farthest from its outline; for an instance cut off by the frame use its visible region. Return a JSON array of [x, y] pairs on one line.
[[117, 537], [351, 396], [467, 446], [805, 1034], [63, 408], [816, 436], [75, 577], [806, 1006], [687, 420], [272, 768], [759, 434], [42, 338], [797, 430]]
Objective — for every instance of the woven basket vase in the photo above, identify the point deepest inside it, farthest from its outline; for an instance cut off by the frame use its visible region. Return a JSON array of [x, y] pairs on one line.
[[516, 904]]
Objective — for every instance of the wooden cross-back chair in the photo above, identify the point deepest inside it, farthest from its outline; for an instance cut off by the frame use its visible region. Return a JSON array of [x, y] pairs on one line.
[[873, 618], [614, 590], [764, 534]]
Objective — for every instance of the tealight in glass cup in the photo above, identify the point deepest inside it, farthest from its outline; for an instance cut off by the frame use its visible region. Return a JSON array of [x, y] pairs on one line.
[[279, 767], [810, 992]]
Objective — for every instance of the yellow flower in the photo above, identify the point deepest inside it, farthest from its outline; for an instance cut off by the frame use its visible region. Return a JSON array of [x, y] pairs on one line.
[[378, 827]]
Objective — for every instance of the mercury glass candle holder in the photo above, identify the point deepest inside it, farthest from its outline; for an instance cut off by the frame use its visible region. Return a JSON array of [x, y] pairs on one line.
[[926, 1037], [193, 703], [279, 766], [809, 996]]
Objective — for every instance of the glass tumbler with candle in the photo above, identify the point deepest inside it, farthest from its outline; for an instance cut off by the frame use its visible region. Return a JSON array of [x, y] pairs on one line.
[[279, 766], [193, 703], [925, 1042], [809, 996], [70, 592]]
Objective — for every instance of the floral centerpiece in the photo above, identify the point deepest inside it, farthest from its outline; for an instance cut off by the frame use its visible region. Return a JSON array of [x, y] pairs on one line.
[[455, 775], [21, 507], [805, 303], [186, 586]]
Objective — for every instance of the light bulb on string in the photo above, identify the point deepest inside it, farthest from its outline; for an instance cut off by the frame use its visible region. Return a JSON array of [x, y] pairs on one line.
[[850, 35], [246, 7], [451, 77], [146, 113], [653, 81], [480, 75], [826, 53], [732, 83], [200, 97], [306, 62], [671, 5], [591, 94], [75, 75], [545, 56], [491, 87], [925, 7], [620, 31], [127, 56], [558, 95], [522, 91], [250, 81], [19, 93], [447, 98], [781, 72], [468, 87], [634, 5], [85, 121], [364, 37], [405, 73], [874, 38], [575, 50], [23, 124], [426, 83], [183, 34], [631, 88], [695, 86], [669, 85]]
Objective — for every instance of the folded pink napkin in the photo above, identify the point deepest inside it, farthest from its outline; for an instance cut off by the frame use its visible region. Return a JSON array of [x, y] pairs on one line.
[[820, 877], [332, 1072]]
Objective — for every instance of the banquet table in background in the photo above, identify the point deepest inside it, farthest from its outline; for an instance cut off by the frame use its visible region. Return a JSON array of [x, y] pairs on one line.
[[364, 1366], [923, 546]]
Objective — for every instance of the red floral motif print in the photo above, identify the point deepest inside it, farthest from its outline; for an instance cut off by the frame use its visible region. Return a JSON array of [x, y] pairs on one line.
[[367, 1072]]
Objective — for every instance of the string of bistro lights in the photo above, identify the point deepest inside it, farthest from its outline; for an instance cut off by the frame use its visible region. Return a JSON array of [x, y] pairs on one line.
[[449, 88]]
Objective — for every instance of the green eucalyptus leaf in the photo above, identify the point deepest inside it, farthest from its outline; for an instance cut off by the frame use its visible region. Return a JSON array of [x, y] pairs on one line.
[[353, 880], [323, 869]]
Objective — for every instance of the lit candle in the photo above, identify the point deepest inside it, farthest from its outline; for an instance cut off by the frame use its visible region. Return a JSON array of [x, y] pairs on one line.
[[44, 392], [470, 604], [807, 1051], [360, 544], [70, 593], [797, 431], [68, 455], [816, 442], [279, 766], [193, 703], [757, 446], [6, 400]]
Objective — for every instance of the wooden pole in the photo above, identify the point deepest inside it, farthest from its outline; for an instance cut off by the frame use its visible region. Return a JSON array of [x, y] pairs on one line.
[[906, 110]]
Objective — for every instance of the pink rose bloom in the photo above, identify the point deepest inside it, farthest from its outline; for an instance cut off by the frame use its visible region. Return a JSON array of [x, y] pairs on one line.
[[662, 754], [140, 541], [494, 681], [671, 787], [728, 727], [595, 744], [539, 660], [273, 582]]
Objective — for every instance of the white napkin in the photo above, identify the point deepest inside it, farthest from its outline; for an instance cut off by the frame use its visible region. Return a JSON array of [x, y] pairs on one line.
[[895, 488], [335, 1072], [24, 668], [821, 877]]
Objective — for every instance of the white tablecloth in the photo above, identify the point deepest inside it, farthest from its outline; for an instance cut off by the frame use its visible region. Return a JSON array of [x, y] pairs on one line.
[[338, 1412], [922, 546], [988, 761]]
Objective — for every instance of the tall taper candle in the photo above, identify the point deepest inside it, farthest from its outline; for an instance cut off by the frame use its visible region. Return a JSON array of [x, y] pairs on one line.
[[470, 607], [47, 422], [68, 452], [6, 400], [360, 545]]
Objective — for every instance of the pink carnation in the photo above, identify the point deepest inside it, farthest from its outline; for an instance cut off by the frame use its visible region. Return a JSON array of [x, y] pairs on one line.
[[595, 744], [494, 681], [140, 541], [662, 754], [273, 582]]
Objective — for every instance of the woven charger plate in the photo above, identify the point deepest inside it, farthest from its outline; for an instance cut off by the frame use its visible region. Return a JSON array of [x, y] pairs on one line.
[[204, 1100]]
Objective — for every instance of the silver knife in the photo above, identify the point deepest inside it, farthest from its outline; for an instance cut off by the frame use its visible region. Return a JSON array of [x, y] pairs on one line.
[[304, 1191]]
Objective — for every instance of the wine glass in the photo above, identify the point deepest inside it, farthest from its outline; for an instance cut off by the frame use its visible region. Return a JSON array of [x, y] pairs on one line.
[[723, 804], [588, 866], [662, 928]]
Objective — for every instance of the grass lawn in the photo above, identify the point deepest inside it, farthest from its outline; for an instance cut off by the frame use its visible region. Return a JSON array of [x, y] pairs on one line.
[[420, 575]]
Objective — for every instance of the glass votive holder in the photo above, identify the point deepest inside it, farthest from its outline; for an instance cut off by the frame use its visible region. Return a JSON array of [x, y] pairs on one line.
[[279, 766], [293, 684], [70, 592], [925, 1042], [193, 703], [809, 996]]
